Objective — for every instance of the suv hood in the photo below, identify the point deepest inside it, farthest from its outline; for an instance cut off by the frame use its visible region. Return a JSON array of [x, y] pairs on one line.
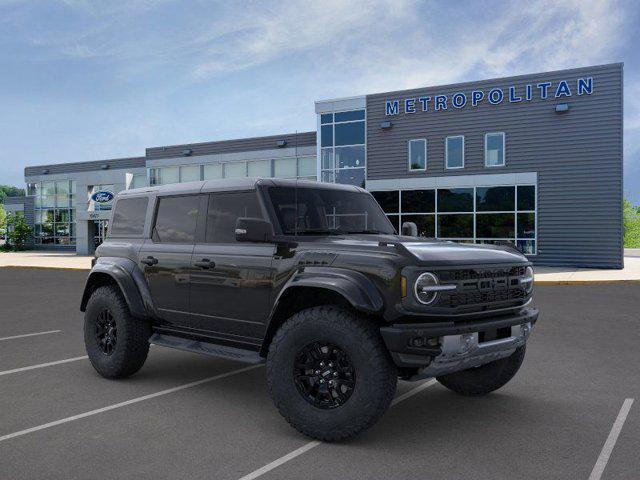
[[431, 251], [450, 253]]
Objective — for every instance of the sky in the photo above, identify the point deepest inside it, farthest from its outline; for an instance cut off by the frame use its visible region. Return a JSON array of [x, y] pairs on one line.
[[83, 80]]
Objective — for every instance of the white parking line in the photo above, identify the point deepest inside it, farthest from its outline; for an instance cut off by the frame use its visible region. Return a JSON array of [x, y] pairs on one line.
[[601, 463], [29, 335], [42, 365], [308, 446], [127, 402]]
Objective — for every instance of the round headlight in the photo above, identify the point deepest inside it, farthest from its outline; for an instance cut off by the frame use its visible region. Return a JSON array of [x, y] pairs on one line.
[[423, 288], [527, 280]]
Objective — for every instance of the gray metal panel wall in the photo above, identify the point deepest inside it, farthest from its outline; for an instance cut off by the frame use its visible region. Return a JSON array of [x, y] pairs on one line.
[[28, 205], [303, 139], [114, 163], [577, 155]]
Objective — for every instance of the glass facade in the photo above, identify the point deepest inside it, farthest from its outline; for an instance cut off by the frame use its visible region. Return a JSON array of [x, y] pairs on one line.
[[303, 168], [342, 147], [495, 214], [55, 212]]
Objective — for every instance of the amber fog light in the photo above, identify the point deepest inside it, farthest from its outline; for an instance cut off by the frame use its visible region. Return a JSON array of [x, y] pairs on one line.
[[425, 288]]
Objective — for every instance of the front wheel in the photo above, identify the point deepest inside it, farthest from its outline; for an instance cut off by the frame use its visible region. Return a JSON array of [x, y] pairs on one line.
[[485, 378], [329, 373], [117, 344]]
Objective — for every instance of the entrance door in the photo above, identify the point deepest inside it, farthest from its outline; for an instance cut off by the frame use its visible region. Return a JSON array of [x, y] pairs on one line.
[[101, 227], [166, 258], [231, 281]]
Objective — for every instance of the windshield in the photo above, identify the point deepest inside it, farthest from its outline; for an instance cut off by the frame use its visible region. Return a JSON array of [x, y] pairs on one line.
[[309, 211]]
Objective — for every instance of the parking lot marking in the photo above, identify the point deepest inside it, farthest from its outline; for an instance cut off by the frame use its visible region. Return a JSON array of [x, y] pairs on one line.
[[601, 463], [42, 365], [308, 446], [127, 402], [29, 335]]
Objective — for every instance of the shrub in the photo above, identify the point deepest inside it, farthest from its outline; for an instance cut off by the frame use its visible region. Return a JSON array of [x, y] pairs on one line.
[[17, 231]]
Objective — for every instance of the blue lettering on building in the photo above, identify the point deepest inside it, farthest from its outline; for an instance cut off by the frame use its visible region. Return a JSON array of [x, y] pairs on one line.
[[424, 101], [410, 105], [459, 100], [391, 108], [585, 85], [563, 89], [441, 102], [512, 95], [495, 96], [476, 97], [544, 89]]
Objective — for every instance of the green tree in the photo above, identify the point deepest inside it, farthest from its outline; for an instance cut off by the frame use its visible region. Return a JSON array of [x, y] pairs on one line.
[[631, 225], [10, 191], [3, 217], [17, 231]]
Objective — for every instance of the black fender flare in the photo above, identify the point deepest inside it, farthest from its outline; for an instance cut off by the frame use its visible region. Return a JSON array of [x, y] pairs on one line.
[[354, 286], [128, 276]]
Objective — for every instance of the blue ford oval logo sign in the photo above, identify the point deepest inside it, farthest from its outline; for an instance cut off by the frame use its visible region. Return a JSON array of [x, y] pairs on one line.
[[102, 197]]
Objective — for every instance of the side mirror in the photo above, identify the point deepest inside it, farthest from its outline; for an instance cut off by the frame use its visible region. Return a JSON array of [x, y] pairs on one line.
[[409, 229], [253, 230]]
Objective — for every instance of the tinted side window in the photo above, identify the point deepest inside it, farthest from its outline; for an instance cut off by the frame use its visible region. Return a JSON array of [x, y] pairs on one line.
[[129, 216], [224, 210], [176, 219]]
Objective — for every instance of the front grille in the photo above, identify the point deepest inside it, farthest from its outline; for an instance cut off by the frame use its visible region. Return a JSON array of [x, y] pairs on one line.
[[482, 287]]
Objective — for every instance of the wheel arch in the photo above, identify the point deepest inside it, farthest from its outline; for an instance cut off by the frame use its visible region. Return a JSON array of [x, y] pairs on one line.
[[321, 286], [127, 277]]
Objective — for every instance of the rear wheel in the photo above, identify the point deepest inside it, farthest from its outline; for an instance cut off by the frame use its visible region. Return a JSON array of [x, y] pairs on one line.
[[485, 378], [117, 344], [329, 373]]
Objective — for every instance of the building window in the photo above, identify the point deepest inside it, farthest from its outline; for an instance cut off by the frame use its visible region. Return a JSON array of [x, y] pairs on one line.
[[417, 155], [496, 214], [55, 202], [189, 173], [454, 152], [494, 150], [138, 181], [342, 143], [212, 171]]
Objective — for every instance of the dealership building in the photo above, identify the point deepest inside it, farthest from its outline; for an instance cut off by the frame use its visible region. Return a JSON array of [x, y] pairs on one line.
[[532, 160]]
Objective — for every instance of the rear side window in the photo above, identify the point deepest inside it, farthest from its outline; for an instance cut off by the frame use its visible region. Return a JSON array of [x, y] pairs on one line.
[[224, 210], [129, 216], [176, 219]]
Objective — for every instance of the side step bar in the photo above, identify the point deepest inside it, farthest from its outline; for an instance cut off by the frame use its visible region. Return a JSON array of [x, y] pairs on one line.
[[212, 349]]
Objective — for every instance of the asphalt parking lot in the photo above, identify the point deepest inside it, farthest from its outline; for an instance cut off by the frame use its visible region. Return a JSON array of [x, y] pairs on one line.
[[190, 416]]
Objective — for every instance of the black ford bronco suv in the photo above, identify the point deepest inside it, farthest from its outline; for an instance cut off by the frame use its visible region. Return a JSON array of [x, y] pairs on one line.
[[312, 279]]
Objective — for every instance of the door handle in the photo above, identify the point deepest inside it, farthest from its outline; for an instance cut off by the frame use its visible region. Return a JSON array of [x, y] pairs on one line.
[[205, 264], [149, 261]]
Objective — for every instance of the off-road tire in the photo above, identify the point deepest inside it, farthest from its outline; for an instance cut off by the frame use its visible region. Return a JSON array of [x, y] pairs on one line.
[[132, 344], [375, 373], [485, 378]]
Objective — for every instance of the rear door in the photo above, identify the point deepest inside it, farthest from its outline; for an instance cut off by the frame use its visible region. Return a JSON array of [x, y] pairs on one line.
[[231, 281], [165, 259]]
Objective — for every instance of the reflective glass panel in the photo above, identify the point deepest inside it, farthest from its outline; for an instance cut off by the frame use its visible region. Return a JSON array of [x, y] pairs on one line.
[[426, 224], [495, 199], [526, 197], [494, 149], [455, 200], [259, 168], [420, 201], [351, 176], [455, 152], [417, 154], [235, 170], [495, 225], [190, 173], [455, 226], [307, 167], [326, 134], [388, 200], [285, 168], [348, 133], [349, 157], [526, 225], [212, 171], [349, 116]]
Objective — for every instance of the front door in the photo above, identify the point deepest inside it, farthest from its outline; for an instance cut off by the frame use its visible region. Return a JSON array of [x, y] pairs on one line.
[[166, 258], [231, 281]]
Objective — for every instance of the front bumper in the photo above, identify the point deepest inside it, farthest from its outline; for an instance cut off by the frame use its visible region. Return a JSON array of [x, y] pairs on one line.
[[435, 349]]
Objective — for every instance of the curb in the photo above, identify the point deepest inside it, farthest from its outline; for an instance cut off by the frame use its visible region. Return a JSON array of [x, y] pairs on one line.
[[40, 267], [585, 282]]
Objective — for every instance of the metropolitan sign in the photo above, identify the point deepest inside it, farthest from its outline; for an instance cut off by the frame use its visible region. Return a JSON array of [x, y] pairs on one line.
[[493, 96]]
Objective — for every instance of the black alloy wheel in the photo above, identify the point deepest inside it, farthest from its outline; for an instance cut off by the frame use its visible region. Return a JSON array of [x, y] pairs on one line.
[[324, 375], [106, 332]]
